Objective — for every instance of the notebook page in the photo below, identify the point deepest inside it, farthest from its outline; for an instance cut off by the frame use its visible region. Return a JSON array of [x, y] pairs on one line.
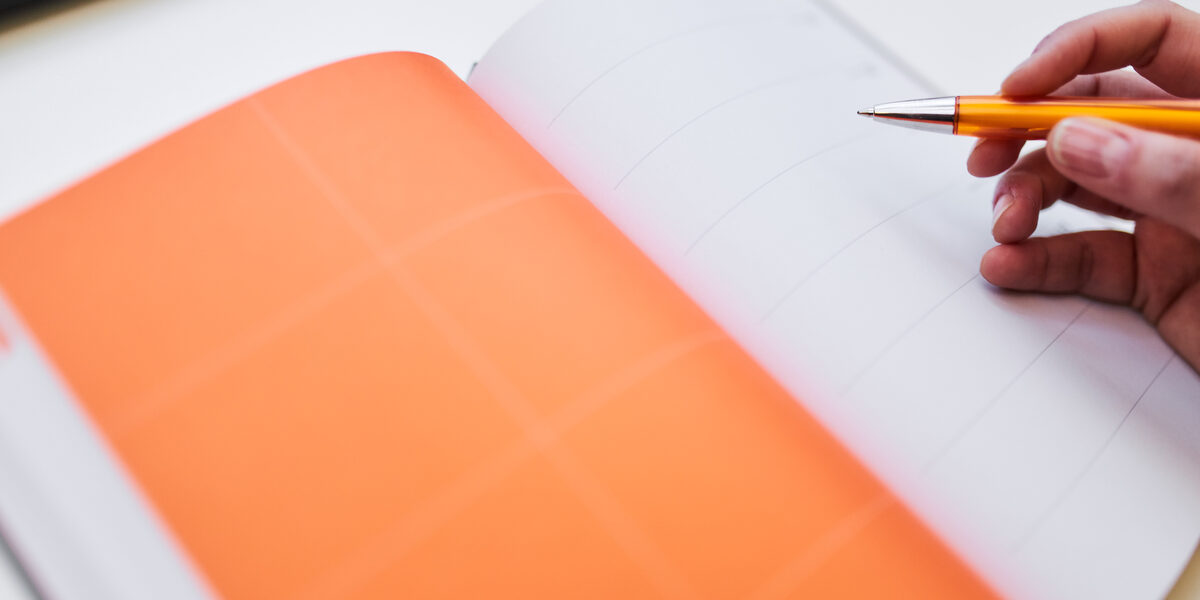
[[412, 361], [1053, 441]]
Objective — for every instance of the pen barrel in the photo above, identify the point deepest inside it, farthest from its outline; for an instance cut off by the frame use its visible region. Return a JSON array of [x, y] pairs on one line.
[[997, 117]]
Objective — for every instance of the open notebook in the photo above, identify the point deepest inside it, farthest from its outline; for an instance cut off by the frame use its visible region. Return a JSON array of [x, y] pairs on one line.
[[644, 311]]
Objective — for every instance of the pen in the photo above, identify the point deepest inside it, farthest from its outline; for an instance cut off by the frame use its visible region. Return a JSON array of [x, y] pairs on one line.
[[1032, 118]]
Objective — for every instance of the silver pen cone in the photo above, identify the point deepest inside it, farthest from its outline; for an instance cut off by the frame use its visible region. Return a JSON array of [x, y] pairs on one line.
[[926, 114]]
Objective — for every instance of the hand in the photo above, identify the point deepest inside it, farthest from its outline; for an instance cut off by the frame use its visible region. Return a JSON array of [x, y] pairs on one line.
[[1151, 178]]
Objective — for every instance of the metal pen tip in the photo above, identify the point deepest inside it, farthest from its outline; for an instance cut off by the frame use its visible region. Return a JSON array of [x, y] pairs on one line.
[[867, 112]]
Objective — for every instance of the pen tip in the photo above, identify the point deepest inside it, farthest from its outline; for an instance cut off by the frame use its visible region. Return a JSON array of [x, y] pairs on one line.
[[867, 112]]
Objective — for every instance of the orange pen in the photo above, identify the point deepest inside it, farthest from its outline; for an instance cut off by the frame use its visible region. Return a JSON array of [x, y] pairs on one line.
[[1032, 118]]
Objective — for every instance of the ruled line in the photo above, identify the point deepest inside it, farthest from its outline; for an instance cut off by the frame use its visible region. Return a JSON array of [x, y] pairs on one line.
[[1040, 521], [768, 86], [857, 378], [817, 269], [975, 420], [720, 24], [772, 179]]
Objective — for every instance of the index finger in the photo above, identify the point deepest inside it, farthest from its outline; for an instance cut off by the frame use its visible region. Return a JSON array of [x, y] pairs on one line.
[[1157, 37]]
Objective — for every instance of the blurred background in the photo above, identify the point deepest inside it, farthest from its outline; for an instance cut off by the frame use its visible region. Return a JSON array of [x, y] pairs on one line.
[[83, 83]]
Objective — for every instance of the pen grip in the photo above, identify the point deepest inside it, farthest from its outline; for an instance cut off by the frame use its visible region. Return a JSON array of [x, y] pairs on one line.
[[1032, 119]]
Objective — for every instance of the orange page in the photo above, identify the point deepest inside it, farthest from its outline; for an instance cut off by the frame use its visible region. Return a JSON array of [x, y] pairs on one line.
[[353, 337]]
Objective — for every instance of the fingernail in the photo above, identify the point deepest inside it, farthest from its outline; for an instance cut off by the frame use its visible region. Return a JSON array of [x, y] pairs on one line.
[[1088, 149], [1003, 203]]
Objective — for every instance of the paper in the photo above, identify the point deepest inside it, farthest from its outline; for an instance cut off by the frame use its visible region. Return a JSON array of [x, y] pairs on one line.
[[352, 337], [722, 138]]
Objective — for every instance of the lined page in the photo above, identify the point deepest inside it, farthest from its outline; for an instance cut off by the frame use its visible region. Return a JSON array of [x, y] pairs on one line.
[[1054, 441]]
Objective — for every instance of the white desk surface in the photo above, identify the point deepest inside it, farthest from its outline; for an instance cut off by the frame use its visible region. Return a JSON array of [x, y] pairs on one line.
[[85, 83]]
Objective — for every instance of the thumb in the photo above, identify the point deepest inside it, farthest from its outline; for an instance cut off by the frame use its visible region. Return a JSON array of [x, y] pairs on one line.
[[1154, 174]]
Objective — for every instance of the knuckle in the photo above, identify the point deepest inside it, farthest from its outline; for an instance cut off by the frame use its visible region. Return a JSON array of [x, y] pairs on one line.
[[1146, 173], [1128, 178], [1017, 182], [1161, 177], [1084, 267], [1178, 176]]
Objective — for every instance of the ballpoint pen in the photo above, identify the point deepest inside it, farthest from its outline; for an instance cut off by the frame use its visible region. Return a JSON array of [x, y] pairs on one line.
[[1032, 118]]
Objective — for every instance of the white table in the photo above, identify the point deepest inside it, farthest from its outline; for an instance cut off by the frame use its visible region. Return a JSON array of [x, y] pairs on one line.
[[82, 85]]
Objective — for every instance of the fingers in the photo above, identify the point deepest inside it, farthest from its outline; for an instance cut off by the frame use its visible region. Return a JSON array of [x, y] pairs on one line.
[[991, 157], [1098, 264], [1120, 84], [1166, 269], [1031, 185], [1157, 37], [1148, 173], [1157, 279]]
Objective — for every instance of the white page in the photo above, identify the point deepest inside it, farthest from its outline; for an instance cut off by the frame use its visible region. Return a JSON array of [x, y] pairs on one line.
[[1055, 442]]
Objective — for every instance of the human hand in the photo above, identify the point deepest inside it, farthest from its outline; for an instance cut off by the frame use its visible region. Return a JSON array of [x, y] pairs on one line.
[[1151, 178]]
